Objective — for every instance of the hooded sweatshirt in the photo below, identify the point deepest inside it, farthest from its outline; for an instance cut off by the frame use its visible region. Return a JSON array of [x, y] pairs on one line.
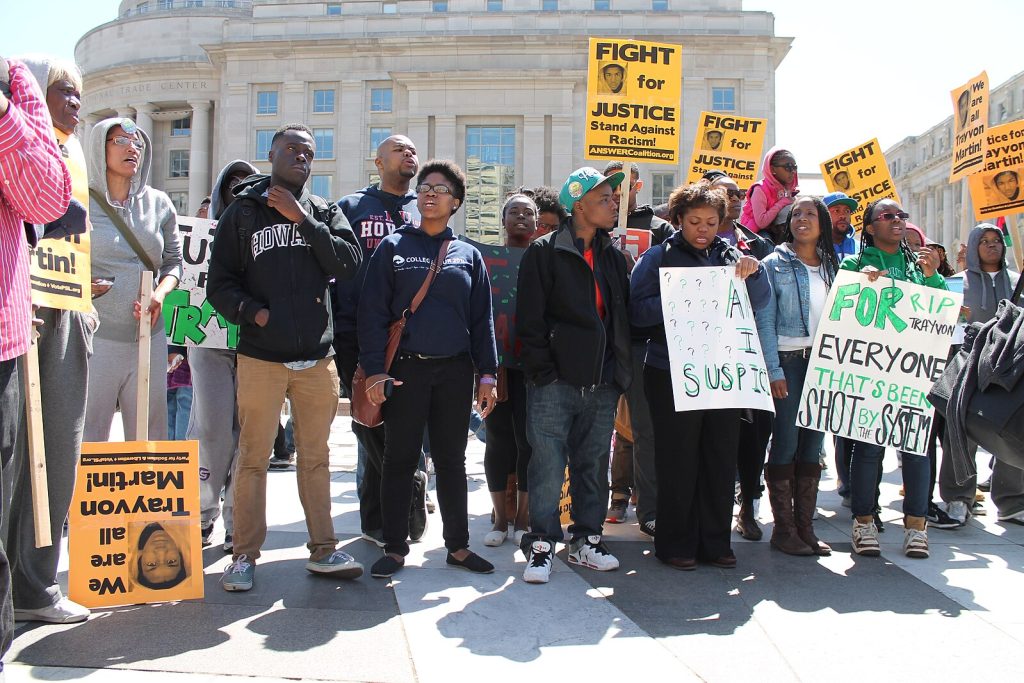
[[150, 215], [982, 291], [217, 206], [768, 196], [373, 215], [263, 260]]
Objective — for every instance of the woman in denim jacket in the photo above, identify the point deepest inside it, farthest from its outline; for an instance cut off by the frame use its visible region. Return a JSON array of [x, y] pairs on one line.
[[801, 270]]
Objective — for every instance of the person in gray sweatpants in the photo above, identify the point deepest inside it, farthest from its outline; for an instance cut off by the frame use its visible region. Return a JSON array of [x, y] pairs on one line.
[[214, 420]]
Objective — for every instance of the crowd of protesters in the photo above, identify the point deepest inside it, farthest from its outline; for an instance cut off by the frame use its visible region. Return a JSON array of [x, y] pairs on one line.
[[314, 285]]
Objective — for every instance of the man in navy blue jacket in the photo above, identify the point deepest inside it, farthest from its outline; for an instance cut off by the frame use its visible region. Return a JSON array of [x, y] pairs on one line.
[[375, 212]]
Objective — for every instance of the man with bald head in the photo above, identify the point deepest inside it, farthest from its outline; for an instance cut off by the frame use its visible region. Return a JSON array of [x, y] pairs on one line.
[[375, 212]]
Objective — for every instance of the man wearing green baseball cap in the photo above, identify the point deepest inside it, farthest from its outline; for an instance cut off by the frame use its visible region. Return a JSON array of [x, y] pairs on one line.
[[572, 321]]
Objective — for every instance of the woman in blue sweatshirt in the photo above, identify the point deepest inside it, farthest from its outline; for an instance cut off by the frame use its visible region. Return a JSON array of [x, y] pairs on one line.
[[694, 451], [430, 383]]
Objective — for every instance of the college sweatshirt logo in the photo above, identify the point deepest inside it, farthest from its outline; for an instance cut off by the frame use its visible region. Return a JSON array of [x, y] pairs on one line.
[[374, 228], [281, 235]]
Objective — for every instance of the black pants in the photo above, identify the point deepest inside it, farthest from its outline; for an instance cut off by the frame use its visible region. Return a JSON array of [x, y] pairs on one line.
[[11, 408], [436, 394], [507, 448], [346, 356], [753, 446], [695, 460]]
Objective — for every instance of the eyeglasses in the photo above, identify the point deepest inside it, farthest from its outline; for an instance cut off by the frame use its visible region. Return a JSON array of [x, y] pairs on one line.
[[124, 141], [890, 216], [547, 226], [736, 194], [789, 167], [436, 189]]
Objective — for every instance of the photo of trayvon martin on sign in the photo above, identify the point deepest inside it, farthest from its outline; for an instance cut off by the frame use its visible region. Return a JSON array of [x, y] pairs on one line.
[[879, 348], [633, 91], [862, 174], [729, 143], [996, 191]]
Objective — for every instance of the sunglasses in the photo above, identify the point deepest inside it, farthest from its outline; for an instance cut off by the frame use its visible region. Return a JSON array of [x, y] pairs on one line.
[[436, 189], [890, 216], [550, 227], [736, 194], [124, 141], [789, 167]]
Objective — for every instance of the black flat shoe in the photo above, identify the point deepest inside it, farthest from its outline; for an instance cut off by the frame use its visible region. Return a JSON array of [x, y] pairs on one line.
[[472, 562], [386, 567]]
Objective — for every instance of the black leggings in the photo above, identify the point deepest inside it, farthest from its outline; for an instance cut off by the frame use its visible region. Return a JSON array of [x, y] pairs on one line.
[[507, 449], [754, 436]]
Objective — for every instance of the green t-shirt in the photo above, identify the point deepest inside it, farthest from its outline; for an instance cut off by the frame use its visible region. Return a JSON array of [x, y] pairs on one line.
[[896, 264]]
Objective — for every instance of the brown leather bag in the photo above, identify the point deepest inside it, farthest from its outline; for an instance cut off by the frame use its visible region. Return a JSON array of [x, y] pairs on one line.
[[364, 412]]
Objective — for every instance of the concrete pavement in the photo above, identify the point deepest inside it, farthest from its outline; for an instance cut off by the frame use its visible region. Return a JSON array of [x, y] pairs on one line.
[[959, 614]]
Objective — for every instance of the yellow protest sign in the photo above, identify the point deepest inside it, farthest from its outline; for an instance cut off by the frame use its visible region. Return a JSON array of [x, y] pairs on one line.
[[59, 268], [565, 502], [728, 143], [134, 524], [633, 95], [861, 173], [970, 116], [996, 190]]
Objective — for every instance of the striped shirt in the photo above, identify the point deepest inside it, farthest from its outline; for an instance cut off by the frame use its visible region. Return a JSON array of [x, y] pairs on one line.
[[34, 186]]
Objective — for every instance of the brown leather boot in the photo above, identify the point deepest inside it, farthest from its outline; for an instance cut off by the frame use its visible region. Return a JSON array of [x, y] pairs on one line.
[[746, 523], [805, 497], [778, 479]]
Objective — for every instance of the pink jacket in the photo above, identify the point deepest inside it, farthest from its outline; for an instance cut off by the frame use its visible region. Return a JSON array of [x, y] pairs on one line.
[[767, 197]]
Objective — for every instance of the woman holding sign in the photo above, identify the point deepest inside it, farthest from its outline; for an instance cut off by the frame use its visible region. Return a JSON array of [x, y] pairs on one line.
[[801, 271], [694, 451], [884, 251]]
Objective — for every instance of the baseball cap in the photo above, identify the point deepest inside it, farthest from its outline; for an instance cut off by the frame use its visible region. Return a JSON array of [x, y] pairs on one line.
[[840, 198], [582, 181]]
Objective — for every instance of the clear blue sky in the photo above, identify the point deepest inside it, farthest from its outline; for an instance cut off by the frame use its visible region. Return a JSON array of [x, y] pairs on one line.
[[857, 69]]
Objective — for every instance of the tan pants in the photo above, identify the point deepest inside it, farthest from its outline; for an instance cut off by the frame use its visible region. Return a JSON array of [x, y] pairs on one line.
[[262, 389]]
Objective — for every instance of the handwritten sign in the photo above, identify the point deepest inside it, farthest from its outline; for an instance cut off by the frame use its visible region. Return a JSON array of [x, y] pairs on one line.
[[996, 190], [879, 348], [189, 317], [861, 173], [134, 524], [633, 95], [729, 143], [713, 348], [970, 116]]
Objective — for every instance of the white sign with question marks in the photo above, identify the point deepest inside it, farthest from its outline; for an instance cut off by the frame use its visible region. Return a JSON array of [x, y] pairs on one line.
[[713, 347]]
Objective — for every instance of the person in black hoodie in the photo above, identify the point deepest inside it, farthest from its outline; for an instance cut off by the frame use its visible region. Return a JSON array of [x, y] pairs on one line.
[[275, 249], [430, 383], [572, 321], [375, 212]]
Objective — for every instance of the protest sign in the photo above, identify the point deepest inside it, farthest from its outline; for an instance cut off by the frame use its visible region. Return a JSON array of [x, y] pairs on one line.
[[713, 348], [728, 143], [565, 502], [996, 190], [134, 524], [879, 348], [59, 268], [633, 95], [861, 173], [970, 116], [636, 241], [503, 269], [189, 317]]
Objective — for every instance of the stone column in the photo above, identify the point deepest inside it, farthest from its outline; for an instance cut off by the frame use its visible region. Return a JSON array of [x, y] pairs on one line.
[[534, 151], [349, 144], [144, 119], [445, 136], [949, 222], [561, 150], [930, 212], [199, 183]]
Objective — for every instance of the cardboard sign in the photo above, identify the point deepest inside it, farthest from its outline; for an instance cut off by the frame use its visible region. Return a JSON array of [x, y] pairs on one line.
[[728, 143], [861, 173], [633, 95], [565, 502], [970, 117], [879, 348], [503, 270], [636, 241], [189, 318], [134, 524], [713, 348], [996, 190], [60, 269]]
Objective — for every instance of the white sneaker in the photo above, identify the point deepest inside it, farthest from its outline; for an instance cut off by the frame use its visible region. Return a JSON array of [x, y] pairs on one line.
[[865, 539], [538, 563], [915, 543], [590, 552], [64, 612], [958, 511]]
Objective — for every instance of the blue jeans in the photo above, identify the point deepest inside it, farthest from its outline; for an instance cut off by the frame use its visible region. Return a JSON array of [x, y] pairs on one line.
[[864, 479], [566, 425], [789, 442], [179, 408]]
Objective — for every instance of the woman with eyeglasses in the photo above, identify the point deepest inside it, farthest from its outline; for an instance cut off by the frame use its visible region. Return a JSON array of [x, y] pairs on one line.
[[430, 383], [550, 212], [884, 251], [767, 198], [755, 425], [135, 228]]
